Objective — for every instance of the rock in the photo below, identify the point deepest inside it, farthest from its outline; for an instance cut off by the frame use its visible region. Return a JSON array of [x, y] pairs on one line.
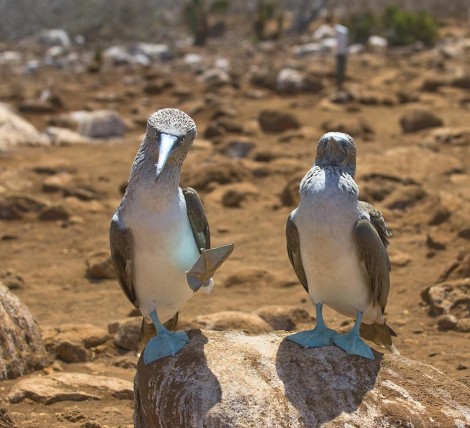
[[290, 195], [11, 279], [449, 297], [358, 128], [21, 346], [65, 137], [284, 317], [289, 81], [447, 322], [214, 77], [128, 332], [232, 379], [458, 269], [221, 172], [59, 387], [234, 194], [237, 149], [405, 197], [54, 213], [100, 266], [462, 82], [16, 131], [251, 277], [233, 320], [54, 37], [277, 121], [75, 342], [95, 124], [14, 207], [5, 418], [417, 119]]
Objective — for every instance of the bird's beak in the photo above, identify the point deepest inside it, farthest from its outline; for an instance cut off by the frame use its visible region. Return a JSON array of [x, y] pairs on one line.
[[334, 151], [167, 144]]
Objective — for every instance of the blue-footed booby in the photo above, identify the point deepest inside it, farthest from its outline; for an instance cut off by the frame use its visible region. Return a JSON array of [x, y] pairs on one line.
[[338, 248], [159, 235]]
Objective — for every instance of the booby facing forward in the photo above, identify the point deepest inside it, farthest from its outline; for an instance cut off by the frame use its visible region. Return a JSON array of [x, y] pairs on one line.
[[159, 235], [338, 248]]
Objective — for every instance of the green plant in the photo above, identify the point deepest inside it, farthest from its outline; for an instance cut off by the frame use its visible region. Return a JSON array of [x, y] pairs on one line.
[[267, 11], [397, 25], [402, 27], [196, 17]]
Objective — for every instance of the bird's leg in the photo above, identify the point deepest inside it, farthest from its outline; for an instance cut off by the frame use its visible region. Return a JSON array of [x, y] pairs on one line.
[[352, 343], [165, 343], [321, 335]]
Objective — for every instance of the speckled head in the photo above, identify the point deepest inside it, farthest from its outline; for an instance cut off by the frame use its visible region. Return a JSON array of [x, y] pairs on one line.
[[170, 134], [174, 122], [337, 149]]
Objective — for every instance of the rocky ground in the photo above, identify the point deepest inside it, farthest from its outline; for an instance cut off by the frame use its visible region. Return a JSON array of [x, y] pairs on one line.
[[259, 111]]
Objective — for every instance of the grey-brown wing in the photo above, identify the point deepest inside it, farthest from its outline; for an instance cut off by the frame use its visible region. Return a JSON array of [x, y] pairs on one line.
[[373, 255], [293, 251], [121, 255], [377, 221], [197, 218]]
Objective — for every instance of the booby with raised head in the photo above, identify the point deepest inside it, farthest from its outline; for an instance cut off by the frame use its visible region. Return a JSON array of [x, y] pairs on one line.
[[159, 235], [338, 248]]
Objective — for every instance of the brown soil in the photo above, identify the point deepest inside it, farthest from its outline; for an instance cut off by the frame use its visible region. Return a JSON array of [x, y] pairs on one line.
[[50, 255]]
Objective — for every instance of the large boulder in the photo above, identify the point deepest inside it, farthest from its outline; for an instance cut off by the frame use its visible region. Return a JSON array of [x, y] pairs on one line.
[[224, 379], [16, 131], [21, 346]]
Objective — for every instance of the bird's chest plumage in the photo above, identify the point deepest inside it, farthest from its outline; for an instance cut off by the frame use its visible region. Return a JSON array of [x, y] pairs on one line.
[[325, 221], [164, 248]]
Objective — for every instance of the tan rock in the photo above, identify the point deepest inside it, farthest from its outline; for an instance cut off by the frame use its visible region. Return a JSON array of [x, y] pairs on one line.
[[233, 320], [21, 346], [229, 379], [59, 387]]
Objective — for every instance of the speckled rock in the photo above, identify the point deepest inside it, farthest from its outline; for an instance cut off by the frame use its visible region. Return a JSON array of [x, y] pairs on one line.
[[229, 379], [59, 387], [21, 346]]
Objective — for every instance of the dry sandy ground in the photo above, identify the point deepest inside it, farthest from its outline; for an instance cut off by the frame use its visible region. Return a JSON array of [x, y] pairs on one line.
[[50, 255]]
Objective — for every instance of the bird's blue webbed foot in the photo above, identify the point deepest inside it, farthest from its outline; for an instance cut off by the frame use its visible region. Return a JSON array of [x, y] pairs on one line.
[[321, 335], [352, 343], [165, 344]]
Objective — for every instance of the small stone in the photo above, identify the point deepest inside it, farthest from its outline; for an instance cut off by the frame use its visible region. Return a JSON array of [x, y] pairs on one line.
[[416, 120], [284, 317], [128, 333], [233, 320], [11, 279], [447, 322], [54, 213], [100, 266], [277, 121]]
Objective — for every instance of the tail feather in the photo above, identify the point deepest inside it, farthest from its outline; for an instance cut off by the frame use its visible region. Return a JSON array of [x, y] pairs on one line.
[[147, 331], [380, 334]]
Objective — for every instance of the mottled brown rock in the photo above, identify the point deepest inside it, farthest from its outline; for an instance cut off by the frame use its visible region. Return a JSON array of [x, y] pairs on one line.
[[233, 320], [221, 172], [449, 297], [229, 379], [59, 387], [277, 121], [418, 119], [21, 346], [75, 342], [5, 418], [284, 317], [100, 266]]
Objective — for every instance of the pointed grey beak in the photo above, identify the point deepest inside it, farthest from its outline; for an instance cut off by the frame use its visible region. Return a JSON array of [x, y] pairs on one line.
[[167, 144], [334, 151]]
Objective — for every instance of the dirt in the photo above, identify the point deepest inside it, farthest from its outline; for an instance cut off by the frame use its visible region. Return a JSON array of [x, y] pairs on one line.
[[50, 255]]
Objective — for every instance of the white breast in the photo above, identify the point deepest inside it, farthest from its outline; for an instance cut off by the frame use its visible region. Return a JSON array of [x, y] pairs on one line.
[[325, 219], [164, 248]]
